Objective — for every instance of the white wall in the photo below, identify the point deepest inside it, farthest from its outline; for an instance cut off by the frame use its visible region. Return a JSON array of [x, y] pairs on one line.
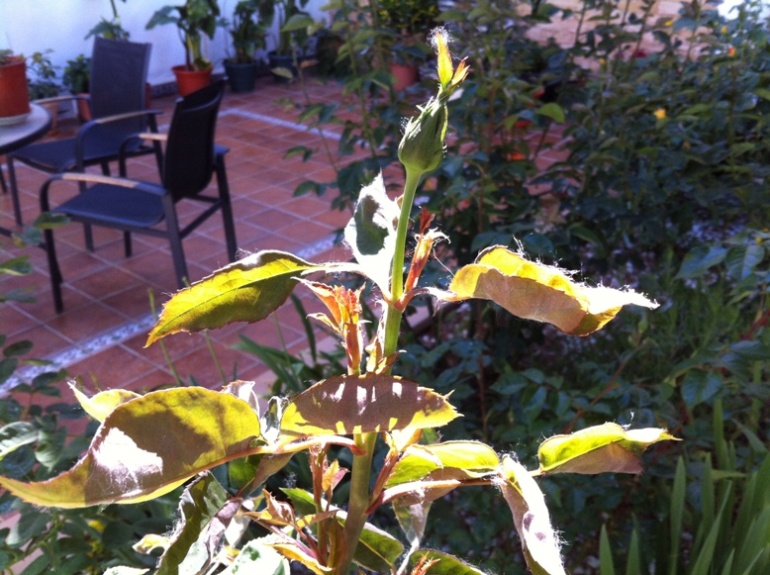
[[28, 26]]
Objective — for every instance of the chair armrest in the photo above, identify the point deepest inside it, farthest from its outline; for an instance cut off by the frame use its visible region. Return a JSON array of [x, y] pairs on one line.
[[87, 178], [64, 98], [119, 117], [153, 136], [84, 130]]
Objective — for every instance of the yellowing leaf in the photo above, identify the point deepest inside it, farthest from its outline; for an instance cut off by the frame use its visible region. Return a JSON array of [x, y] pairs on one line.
[[598, 449], [418, 461], [531, 290], [346, 405], [247, 290], [99, 406], [149, 446], [532, 520]]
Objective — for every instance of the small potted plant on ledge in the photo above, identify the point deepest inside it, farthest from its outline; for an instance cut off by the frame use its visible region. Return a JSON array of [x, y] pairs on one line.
[[14, 95], [248, 36], [77, 79], [194, 19], [293, 23]]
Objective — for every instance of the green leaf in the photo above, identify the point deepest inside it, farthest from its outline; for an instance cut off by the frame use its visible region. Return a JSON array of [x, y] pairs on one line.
[[553, 111], [345, 405], [446, 564], [699, 386], [530, 515], [762, 93], [205, 512], [606, 563], [247, 290], [371, 233], [598, 449], [532, 290], [149, 446], [420, 460], [258, 557], [99, 406], [16, 435], [742, 261], [699, 260]]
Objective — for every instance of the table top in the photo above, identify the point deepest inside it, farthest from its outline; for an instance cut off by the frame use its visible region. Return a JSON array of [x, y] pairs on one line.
[[18, 135]]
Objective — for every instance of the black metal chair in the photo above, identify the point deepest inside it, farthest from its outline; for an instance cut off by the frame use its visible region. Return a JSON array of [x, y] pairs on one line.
[[118, 108], [189, 161]]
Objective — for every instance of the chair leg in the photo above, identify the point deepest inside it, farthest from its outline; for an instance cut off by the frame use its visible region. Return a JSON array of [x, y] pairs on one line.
[[3, 185], [127, 244], [175, 241], [227, 209], [14, 191], [54, 271]]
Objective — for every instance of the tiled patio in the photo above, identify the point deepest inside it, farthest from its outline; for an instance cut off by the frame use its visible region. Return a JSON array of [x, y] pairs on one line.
[[101, 333]]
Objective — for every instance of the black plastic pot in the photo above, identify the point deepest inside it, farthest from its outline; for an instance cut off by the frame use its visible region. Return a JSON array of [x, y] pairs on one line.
[[282, 67], [241, 77]]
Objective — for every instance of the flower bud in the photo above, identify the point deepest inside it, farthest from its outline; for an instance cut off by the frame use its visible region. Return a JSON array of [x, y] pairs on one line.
[[422, 146]]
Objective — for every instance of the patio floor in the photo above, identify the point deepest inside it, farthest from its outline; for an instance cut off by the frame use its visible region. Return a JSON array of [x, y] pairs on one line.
[[101, 333]]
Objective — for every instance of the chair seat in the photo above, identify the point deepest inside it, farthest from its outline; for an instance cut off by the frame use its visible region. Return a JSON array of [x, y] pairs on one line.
[[59, 155], [114, 206]]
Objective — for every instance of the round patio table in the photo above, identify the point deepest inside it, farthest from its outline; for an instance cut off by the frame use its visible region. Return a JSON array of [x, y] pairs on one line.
[[15, 136]]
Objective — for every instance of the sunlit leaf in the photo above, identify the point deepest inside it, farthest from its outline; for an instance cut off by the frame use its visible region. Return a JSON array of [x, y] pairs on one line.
[[530, 515], [346, 405], [99, 406], [539, 292], [16, 435], [147, 447], [204, 512], [418, 461], [552, 110], [294, 552], [123, 570], [598, 449], [446, 564], [371, 233], [247, 290]]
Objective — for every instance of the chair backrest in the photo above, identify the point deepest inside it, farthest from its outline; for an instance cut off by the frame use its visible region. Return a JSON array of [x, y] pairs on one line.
[[119, 80], [189, 159]]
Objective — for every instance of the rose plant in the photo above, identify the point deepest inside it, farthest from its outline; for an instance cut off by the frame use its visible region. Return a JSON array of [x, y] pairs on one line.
[[147, 446]]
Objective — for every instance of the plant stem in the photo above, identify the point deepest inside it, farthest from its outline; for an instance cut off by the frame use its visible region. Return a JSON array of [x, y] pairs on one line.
[[393, 314], [362, 464]]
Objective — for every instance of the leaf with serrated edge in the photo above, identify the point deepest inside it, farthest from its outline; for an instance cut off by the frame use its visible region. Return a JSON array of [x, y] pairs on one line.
[[598, 449], [99, 406], [535, 291], [351, 404], [194, 544], [371, 233], [531, 518], [446, 564], [147, 447], [247, 290], [420, 460]]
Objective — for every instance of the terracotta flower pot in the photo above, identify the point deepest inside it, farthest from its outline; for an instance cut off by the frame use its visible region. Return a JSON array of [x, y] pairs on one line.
[[14, 96], [189, 81], [404, 76]]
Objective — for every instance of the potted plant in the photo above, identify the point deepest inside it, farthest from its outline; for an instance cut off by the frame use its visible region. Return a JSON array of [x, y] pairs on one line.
[[407, 22], [110, 29], [293, 22], [194, 19], [248, 35], [14, 94], [77, 78]]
